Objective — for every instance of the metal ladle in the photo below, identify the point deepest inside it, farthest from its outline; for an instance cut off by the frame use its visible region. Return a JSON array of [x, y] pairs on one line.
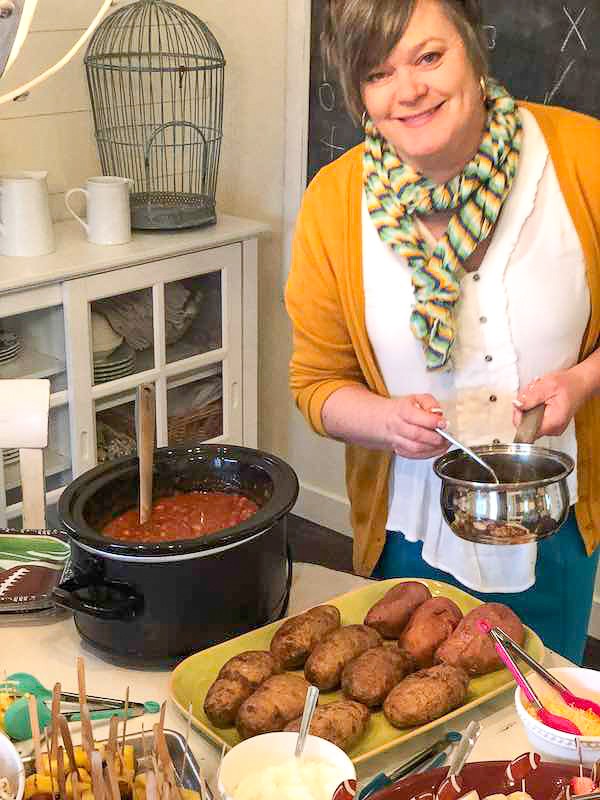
[[525, 434], [469, 452]]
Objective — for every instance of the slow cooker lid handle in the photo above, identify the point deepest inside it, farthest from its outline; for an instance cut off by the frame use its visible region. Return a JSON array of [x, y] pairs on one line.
[[108, 600]]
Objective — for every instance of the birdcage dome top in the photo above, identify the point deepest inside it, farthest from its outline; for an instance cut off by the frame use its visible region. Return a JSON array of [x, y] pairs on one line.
[[151, 36]]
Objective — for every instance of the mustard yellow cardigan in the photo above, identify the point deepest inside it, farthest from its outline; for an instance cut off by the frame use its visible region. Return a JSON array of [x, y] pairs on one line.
[[325, 300]]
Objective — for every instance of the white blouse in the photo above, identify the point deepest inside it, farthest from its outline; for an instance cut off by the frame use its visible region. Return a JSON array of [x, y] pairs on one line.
[[522, 314]]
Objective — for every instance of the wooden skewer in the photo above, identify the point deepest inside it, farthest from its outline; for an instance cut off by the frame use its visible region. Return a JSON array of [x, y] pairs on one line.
[[60, 769], [81, 680], [50, 763], [97, 776], [54, 721], [75, 785], [35, 732], [113, 735], [87, 735], [111, 780], [151, 787], [161, 719], [68, 743]]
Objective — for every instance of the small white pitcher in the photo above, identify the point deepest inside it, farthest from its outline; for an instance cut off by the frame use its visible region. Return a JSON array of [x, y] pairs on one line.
[[108, 216], [25, 221]]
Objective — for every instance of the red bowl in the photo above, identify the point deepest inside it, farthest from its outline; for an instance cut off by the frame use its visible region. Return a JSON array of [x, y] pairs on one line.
[[487, 777]]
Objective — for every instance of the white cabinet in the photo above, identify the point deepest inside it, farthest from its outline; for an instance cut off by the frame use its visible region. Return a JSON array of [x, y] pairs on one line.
[[181, 313]]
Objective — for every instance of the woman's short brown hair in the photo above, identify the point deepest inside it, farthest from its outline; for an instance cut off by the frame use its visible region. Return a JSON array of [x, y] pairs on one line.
[[360, 34]]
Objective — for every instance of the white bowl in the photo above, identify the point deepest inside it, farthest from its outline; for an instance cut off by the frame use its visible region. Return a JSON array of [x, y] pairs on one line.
[[270, 749], [11, 766], [553, 744], [105, 339]]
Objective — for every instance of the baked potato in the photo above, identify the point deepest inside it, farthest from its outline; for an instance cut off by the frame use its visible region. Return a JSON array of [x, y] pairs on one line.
[[325, 664], [224, 698], [253, 665], [369, 678], [426, 695], [430, 625], [236, 681], [473, 650], [389, 616], [297, 637], [277, 701], [342, 722]]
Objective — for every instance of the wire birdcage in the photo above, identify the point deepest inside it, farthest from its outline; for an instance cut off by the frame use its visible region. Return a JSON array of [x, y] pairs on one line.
[[155, 75]]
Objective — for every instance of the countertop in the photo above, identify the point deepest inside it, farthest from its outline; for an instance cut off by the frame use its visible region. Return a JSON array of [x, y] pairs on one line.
[[49, 652], [75, 257]]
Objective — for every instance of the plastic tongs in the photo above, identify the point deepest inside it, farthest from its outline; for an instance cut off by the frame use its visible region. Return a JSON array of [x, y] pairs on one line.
[[504, 646], [432, 756]]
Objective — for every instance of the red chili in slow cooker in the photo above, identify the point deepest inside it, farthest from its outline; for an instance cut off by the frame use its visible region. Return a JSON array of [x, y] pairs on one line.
[[183, 516]]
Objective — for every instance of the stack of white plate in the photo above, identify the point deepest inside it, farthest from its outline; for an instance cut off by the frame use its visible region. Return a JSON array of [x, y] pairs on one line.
[[10, 455], [116, 365], [10, 347]]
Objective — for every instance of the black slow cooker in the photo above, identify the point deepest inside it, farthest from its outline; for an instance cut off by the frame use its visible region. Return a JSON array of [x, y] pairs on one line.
[[147, 603]]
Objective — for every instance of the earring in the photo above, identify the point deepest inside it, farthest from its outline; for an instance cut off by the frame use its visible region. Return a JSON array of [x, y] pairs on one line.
[[363, 119], [483, 85]]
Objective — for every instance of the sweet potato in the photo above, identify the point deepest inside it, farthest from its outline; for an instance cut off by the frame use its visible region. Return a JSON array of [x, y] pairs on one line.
[[471, 649], [277, 701], [430, 626], [342, 722], [236, 681], [325, 664], [297, 637], [369, 678], [426, 695], [390, 615]]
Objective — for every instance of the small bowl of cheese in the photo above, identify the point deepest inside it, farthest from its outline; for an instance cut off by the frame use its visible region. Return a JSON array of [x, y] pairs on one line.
[[557, 745], [265, 768]]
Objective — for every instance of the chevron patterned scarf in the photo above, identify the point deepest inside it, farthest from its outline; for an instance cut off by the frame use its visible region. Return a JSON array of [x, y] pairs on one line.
[[395, 192]]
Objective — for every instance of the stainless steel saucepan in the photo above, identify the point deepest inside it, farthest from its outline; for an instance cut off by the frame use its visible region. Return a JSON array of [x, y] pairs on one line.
[[530, 503]]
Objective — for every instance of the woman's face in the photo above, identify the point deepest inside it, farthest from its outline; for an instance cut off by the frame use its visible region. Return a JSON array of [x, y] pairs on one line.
[[425, 98]]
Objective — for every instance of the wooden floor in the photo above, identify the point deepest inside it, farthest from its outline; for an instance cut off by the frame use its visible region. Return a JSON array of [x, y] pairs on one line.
[[318, 545]]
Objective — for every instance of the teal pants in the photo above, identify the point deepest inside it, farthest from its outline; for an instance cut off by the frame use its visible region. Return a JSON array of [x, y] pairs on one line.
[[557, 607]]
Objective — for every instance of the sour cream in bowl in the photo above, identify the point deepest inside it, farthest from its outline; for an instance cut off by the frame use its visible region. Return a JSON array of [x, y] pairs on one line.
[[12, 772], [265, 768]]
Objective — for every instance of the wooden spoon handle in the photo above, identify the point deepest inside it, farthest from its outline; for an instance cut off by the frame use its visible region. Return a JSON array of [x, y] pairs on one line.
[[530, 425], [146, 405]]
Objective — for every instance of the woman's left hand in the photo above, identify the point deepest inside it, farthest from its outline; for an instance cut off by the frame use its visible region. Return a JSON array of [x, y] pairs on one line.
[[563, 393]]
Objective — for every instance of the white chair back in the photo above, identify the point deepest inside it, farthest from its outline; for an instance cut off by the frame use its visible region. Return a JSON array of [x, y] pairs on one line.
[[24, 409]]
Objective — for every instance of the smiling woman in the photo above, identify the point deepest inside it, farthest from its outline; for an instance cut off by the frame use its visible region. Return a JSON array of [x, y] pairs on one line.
[[427, 289]]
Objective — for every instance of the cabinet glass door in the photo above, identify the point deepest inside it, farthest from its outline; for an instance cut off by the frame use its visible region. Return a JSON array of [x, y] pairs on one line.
[[32, 345], [193, 316], [195, 407], [122, 333], [115, 427]]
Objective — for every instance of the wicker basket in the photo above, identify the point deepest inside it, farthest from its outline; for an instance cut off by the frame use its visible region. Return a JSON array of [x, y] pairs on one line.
[[197, 425]]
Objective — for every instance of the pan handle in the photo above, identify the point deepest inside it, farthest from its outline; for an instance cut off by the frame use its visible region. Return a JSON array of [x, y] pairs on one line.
[[107, 600], [530, 424]]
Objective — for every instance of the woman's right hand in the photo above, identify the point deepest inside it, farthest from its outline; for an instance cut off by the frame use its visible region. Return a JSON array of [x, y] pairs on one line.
[[410, 426]]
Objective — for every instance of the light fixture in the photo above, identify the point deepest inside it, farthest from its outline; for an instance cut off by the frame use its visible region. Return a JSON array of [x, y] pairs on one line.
[[15, 21]]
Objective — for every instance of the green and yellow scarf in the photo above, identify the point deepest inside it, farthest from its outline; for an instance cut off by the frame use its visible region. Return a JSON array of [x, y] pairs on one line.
[[395, 192]]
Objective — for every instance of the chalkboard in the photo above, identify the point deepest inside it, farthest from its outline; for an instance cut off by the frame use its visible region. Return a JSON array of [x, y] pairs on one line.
[[546, 51]]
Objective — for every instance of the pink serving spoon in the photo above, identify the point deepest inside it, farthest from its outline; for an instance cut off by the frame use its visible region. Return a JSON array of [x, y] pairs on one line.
[[570, 699], [551, 720]]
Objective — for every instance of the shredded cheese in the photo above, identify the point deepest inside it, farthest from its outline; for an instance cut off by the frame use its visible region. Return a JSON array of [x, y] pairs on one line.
[[587, 722]]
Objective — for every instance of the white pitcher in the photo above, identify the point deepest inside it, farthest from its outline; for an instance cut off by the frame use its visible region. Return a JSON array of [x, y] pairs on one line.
[[25, 221], [108, 216]]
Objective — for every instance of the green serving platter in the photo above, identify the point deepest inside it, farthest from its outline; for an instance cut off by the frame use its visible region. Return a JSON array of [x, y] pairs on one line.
[[191, 679]]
